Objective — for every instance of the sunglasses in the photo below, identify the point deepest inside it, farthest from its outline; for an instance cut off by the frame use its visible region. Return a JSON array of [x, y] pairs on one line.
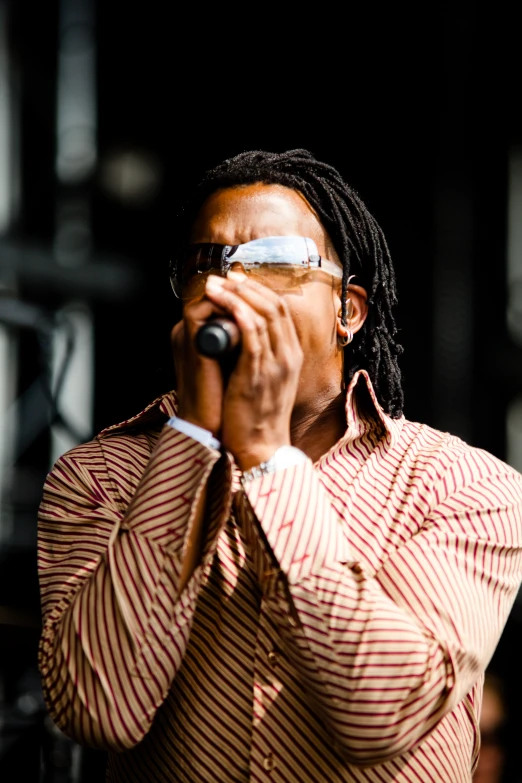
[[278, 262]]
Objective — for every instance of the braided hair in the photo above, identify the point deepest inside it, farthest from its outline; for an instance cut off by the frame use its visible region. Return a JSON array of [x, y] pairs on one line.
[[357, 238]]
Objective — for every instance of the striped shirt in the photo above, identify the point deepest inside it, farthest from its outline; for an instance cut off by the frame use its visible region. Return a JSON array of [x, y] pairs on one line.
[[337, 627]]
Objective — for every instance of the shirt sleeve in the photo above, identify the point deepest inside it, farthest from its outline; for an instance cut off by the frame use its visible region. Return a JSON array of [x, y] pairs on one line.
[[197, 433], [115, 627], [386, 655]]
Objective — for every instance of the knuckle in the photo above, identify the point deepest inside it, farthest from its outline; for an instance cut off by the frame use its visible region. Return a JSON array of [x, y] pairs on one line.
[[292, 360], [284, 365], [254, 351], [250, 327], [176, 333], [273, 312], [282, 307]]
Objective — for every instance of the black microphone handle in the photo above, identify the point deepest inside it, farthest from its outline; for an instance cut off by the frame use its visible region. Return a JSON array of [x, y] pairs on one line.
[[218, 337]]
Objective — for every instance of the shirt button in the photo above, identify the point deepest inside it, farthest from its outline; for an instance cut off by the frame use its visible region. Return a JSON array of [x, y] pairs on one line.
[[272, 658], [269, 763]]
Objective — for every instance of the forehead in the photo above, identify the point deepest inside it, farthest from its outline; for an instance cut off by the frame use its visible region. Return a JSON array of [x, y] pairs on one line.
[[235, 215]]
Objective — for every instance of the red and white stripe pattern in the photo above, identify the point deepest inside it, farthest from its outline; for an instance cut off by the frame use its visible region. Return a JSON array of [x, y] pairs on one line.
[[337, 628]]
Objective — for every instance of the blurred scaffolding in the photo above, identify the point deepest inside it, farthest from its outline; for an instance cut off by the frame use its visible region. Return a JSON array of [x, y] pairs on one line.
[[67, 155], [46, 373]]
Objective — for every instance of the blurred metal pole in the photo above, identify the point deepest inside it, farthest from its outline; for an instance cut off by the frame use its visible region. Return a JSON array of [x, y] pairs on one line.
[[9, 135], [9, 200], [76, 114], [76, 154], [76, 399]]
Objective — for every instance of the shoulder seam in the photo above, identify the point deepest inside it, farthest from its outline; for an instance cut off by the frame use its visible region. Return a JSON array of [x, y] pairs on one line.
[[114, 487]]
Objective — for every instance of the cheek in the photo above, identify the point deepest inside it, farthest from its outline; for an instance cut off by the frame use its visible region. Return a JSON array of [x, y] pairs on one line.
[[315, 318]]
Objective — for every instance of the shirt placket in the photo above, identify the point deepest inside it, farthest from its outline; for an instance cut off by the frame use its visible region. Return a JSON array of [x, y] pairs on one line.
[[268, 661]]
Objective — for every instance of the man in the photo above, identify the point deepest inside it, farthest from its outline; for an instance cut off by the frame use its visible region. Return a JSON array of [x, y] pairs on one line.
[[273, 575]]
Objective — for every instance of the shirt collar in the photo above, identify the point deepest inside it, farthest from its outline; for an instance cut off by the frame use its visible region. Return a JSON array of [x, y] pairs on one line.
[[363, 412], [156, 412]]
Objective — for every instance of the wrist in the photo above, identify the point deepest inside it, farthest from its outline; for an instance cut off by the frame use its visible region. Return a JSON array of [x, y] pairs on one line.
[[195, 431], [284, 457], [198, 421], [248, 460]]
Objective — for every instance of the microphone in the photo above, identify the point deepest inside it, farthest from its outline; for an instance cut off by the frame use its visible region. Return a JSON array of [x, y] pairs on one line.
[[217, 338]]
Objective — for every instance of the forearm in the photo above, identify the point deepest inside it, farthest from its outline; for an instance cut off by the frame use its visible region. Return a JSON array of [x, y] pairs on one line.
[[114, 642], [379, 680], [383, 655], [105, 667]]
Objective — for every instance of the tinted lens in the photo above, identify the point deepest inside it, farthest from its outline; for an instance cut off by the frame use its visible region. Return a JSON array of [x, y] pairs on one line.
[[279, 278], [200, 260], [195, 286], [283, 250], [281, 263]]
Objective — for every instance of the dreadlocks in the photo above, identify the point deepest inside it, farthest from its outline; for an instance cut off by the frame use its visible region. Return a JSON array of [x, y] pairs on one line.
[[357, 237]]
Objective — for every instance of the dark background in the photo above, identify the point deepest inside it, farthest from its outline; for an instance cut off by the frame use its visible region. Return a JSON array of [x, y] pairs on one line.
[[418, 109]]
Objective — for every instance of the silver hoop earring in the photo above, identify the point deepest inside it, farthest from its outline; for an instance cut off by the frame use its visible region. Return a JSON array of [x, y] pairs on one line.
[[344, 341]]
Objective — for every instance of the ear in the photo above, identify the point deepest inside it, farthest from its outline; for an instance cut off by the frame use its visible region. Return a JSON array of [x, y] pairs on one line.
[[356, 311]]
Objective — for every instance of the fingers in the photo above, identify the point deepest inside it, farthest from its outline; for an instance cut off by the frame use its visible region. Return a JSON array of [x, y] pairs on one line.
[[256, 345], [195, 313], [199, 381], [257, 310]]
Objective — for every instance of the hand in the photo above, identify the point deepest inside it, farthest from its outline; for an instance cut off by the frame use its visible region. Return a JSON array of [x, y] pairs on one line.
[[261, 390], [199, 379]]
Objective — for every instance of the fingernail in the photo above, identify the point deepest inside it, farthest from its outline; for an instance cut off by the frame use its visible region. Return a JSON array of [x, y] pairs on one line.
[[215, 282], [238, 276]]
